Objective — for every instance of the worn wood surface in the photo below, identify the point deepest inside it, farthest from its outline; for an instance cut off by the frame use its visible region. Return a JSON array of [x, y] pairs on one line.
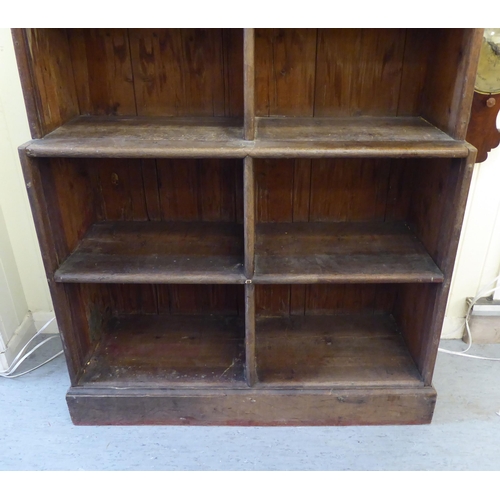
[[157, 252], [249, 79], [249, 226], [351, 195], [250, 357], [325, 299], [341, 252], [398, 406], [156, 351], [333, 351], [157, 137]]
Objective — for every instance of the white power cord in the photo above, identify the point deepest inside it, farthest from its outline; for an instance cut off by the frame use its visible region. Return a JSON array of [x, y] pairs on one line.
[[482, 292], [9, 373]]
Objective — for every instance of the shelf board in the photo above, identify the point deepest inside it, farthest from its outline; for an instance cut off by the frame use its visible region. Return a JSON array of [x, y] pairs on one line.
[[164, 137], [157, 252], [341, 252], [353, 136], [168, 351], [143, 137], [338, 351]]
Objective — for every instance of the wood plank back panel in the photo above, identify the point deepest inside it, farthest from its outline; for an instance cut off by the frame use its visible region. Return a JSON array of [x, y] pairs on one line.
[[188, 72], [285, 71], [358, 72], [319, 299], [51, 68], [103, 71], [450, 79]]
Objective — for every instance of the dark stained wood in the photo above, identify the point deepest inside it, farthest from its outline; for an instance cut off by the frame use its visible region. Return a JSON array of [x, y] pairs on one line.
[[76, 345], [158, 137], [333, 351], [158, 351], [285, 62], [52, 73], [179, 72], [157, 252], [274, 190], [354, 65], [450, 80], [144, 137], [200, 190], [28, 83], [103, 71], [394, 406], [348, 190], [249, 78], [250, 359], [360, 136], [249, 183], [341, 252], [351, 195], [482, 132]]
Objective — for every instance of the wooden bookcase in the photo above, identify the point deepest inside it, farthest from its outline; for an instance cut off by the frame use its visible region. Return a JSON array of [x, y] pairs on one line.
[[249, 226]]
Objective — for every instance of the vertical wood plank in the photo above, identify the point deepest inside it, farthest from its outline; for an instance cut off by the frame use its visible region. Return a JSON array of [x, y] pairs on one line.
[[51, 67], [274, 190], [178, 186], [451, 74], [103, 71], [178, 72], [358, 72], [285, 71], [151, 189], [250, 359], [122, 189], [249, 83], [232, 46], [272, 300], [249, 229], [301, 190]]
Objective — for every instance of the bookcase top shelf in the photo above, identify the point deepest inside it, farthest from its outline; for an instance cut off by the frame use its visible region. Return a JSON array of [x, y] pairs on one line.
[[164, 137]]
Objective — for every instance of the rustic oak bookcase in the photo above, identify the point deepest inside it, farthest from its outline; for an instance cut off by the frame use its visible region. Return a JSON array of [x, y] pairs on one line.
[[249, 226]]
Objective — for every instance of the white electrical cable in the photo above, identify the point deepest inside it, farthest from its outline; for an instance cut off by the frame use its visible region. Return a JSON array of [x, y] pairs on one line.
[[9, 373], [482, 292]]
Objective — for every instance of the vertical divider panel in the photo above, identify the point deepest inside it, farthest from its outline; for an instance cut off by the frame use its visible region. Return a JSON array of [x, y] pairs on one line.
[[249, 200], [250, 361], [249, 82]]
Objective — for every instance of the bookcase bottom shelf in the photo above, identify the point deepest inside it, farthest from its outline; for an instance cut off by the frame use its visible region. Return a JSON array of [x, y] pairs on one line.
[[396, 406], [334, 351], [168, 351]]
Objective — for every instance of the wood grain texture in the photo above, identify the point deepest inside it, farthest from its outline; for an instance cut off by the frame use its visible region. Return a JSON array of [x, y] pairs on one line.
[[285, 62], [341, 252], [333, 351], [157, 351], [358, 72], [157, 252], [52, 75], [398, 406], [249, 79], [250, 358], [159, 137], [450, 80], [249, 226], [102, 69]]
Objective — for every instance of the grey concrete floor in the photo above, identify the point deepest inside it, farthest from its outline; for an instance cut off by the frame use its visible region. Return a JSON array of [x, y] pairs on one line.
[[37, 433]]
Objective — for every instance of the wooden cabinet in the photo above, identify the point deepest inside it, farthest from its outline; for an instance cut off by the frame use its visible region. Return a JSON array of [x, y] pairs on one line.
[[248, 227]]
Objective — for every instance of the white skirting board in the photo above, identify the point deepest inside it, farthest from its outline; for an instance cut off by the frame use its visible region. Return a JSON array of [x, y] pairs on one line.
[[31, 323]]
